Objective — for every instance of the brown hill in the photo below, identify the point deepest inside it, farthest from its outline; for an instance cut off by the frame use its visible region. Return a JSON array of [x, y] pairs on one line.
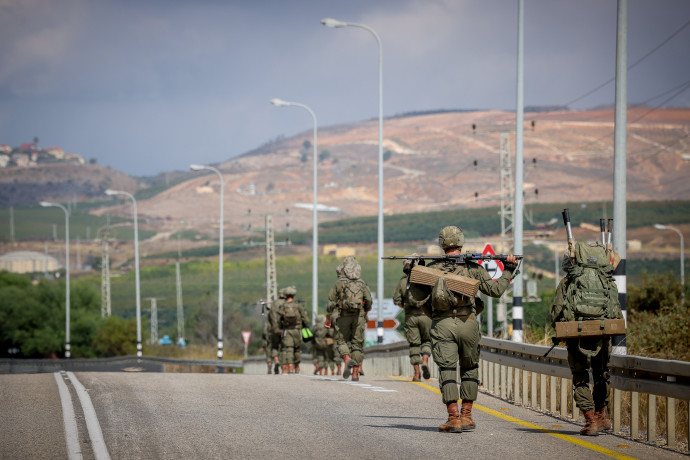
[[431, 167]]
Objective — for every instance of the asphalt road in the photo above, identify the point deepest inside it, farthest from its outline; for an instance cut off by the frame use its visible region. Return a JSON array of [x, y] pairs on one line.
[[234, 416]]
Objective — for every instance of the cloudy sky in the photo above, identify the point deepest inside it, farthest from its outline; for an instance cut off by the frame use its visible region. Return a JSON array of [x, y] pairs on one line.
[[147, 86]]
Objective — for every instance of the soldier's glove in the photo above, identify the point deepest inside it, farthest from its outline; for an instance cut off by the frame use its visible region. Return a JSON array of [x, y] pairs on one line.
[[510, 266], [555, 340]]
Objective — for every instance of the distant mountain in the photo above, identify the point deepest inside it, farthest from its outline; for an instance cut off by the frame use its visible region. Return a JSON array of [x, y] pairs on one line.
[[430, 165]]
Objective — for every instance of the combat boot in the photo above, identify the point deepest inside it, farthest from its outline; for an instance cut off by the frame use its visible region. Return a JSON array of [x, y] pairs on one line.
[[291, 368], [453, 424], [269, 369], [355, 373], [285, 369], [276, 367], [316, 370], [361, 368], [297, 368], [416, 377], [340, 369], [425, 367], [349, 364], [604, 423], [591, 427], [466, 416]]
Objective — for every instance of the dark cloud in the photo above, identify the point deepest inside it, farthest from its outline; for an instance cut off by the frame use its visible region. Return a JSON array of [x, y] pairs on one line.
[[157, 85]]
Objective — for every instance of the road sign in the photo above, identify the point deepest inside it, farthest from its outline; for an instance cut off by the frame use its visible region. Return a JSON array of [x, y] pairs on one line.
[[389, 323], [390, 310], [245, 336], [494, 267]]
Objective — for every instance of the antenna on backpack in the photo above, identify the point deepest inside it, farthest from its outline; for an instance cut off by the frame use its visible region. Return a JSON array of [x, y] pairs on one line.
[[569, 233], [602, 226]]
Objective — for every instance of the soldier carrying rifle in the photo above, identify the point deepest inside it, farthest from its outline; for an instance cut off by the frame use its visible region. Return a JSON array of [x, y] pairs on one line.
[[451, 304]]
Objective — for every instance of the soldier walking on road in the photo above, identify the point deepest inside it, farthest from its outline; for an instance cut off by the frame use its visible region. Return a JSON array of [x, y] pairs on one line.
[[348, 303], [455, 332], [593, 353], [417, 326], [290, 318]]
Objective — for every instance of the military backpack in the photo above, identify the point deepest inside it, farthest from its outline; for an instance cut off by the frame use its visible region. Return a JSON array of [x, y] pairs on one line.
[[352, 296], [443, 299], [291, 315], [591, 293]]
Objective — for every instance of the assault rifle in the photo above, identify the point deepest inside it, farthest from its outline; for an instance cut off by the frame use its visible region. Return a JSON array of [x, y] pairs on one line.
[[458, 259]]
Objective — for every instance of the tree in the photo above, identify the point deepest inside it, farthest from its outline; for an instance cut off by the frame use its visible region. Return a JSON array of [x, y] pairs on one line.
[[324, 155], [306, 144], [387, 154]]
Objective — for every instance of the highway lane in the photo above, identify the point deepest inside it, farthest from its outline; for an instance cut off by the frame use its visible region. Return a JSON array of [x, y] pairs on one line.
[[156, 415]]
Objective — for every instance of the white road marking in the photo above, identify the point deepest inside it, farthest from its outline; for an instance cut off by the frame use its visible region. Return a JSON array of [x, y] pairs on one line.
[[71, 430], [365, 386], [97, 443]]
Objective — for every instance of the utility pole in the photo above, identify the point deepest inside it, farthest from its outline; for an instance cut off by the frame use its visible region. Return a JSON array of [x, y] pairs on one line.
[[619, 165], [271, 284], [507, 216], [12, 224], [180, 309], [105, 276]]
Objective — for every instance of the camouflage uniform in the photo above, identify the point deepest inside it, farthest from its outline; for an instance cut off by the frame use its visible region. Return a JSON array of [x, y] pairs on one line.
[[417, 326], [349, 323], [291, 333], [319, 345], [455, 334], [592, 403]]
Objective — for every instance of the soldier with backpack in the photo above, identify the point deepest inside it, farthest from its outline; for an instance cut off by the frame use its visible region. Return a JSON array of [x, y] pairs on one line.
[[454, 330], [289, 319], [321, 345], [417, 326], [348, 303], [588, 292]]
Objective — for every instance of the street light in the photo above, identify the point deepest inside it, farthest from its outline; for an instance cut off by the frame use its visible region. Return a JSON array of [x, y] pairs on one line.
[[682, 256], [334, 23], [315, 227], [110, 192], [220, 257], [47, 204]]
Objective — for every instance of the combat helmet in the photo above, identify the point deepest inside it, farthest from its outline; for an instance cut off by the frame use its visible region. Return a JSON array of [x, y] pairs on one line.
[[290, 291], [451, 237], [351, 268]]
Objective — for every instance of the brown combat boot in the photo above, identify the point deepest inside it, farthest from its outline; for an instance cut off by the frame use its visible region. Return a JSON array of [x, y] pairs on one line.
[[591, 427], [316, 370], [417, 377], [466, 416], [602, 418], [454, 424], [284, 368], [349, 364], [297, 368], [355, 373], [291, 368], [425, 367]]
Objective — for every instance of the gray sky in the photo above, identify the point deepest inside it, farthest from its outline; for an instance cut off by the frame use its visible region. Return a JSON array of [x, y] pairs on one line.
[[147, 86]]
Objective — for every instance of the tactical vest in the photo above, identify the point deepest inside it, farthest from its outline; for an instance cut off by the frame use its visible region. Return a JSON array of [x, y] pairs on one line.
[[352, 296]]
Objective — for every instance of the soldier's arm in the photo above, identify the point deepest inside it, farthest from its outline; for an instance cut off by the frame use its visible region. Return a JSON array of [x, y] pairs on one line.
[[305, 317], [367, 298], [488, 286], [398, 293]]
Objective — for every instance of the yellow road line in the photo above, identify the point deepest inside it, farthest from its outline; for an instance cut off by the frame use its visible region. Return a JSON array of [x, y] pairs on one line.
[[565, 437]]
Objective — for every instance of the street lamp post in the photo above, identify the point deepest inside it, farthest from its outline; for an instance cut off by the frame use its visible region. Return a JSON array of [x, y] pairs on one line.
[[682, 255], [110, 192], [196, 167], [330, 22], [315, 226], [47, 204]]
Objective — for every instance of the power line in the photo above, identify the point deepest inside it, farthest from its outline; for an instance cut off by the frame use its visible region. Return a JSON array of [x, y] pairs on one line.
[[656, 48]]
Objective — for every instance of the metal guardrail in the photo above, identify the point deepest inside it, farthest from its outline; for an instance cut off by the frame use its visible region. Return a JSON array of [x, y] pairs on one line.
[[120, 363]]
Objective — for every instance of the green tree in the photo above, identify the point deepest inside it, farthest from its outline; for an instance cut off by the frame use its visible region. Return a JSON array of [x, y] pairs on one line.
[[324, 155], [654, 293], [117, 337], [387, 154], [306, 144]]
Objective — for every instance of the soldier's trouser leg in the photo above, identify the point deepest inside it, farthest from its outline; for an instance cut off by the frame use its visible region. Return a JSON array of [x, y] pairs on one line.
[[357, 344], [578, 366], [601, 375], [293, 343], [344, 331], [414, 339], [424, 326], [445, 352], [468, 342]]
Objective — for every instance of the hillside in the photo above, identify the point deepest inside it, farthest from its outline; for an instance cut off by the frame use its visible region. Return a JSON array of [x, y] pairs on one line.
[[431, 168]]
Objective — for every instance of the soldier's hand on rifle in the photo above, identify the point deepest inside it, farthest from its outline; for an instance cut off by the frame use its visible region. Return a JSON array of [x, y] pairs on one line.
[[555, 340], [511, 262]]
